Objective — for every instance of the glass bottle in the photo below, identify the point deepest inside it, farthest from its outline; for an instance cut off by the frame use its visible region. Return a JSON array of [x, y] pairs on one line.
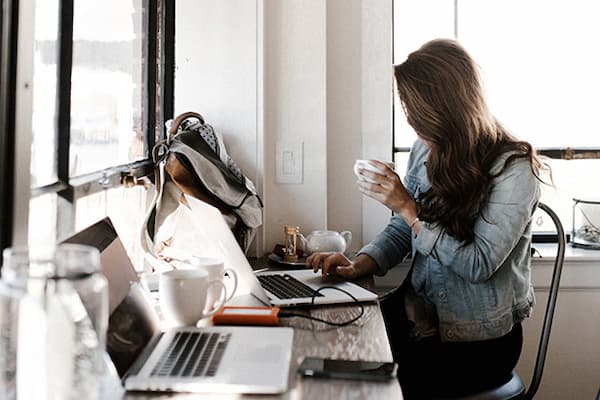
[[10, 298], [62, 320]]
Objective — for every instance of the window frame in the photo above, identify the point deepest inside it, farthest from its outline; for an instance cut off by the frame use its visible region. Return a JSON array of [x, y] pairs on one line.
[[558, 153], [69, 189], [159, 46], [8, 77]]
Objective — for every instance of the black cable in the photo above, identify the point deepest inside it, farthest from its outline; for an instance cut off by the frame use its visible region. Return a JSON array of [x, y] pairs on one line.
[[535, 251], [312, 303]]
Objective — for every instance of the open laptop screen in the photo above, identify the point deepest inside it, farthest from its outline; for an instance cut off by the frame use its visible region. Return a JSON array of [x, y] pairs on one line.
[[133, 320]]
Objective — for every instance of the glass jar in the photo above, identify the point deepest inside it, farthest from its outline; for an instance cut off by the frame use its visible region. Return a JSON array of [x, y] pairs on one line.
[[585, 232], [10, 298], [62, 320]]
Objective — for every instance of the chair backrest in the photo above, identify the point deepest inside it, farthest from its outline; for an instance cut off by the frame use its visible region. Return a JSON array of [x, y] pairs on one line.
[[551, 305]]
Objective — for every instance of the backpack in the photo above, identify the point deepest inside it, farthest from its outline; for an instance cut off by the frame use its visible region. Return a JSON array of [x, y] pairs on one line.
[[193, 160]]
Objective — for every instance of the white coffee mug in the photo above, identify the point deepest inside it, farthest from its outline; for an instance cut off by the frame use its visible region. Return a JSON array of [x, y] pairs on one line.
[[216, 271], [183, 293], [366, 164]]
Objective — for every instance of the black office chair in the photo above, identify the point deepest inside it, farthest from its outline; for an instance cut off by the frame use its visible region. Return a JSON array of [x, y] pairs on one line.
[[515, 389]]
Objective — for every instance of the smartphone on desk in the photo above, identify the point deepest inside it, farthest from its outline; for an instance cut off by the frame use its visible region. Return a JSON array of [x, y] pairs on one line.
[[347, 369]]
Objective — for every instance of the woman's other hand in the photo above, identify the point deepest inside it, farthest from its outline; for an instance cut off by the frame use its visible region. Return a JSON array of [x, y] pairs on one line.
[[387, 188], [338, 264]]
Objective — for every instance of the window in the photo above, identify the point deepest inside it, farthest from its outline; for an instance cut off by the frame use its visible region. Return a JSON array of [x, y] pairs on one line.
[[101, 94], [540, 75], [8, 52]]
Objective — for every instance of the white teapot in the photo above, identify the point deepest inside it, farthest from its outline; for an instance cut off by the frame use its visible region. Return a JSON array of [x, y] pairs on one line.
[[318, 241]]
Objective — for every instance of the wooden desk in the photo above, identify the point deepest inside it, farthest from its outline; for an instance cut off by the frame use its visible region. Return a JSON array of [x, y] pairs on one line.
[[366, 339]]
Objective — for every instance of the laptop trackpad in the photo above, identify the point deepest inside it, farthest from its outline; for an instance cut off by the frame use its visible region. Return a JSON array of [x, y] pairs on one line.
[[266, 353], [320, 280]]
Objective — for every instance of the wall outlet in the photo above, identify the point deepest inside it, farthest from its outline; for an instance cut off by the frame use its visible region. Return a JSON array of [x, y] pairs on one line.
[[289, 160]]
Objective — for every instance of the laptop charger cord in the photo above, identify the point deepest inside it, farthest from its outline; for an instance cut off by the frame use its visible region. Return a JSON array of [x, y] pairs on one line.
[[289, 314]]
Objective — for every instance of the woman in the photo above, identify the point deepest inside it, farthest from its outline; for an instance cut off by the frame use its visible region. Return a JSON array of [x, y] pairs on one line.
[[464, 215]]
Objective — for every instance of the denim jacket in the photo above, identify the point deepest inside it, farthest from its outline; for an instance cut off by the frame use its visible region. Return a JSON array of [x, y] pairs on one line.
[[480, 290]]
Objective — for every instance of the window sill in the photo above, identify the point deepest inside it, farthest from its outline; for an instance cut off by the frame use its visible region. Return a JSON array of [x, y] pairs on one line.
[[581, 269], [547, 251]]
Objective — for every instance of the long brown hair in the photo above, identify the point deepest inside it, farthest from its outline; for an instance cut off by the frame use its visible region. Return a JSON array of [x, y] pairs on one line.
[[441, 93]]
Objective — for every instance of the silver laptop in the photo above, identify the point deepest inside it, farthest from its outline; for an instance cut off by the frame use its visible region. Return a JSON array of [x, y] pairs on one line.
[[212, 359], [212, 237]]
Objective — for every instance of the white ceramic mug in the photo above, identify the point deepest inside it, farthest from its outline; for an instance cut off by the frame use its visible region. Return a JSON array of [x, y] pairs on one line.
[[366, 164], [216, 271], [183, 295]]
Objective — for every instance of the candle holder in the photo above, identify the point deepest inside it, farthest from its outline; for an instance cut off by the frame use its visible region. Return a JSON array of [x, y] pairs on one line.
[[290, 243]]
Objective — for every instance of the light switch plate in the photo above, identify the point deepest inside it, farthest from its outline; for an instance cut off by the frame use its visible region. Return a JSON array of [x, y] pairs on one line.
[[289, 158]]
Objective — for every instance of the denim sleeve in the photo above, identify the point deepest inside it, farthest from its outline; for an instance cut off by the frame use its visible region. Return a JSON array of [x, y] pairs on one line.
[[390, 246], [513, 198]]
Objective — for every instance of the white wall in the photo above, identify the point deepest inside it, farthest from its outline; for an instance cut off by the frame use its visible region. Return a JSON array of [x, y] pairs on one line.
[[376, 97], [344, 115], [295, 110], [359, 81], [216, 70], [265, 72], [23, 123], [572, 368], [216, 74]]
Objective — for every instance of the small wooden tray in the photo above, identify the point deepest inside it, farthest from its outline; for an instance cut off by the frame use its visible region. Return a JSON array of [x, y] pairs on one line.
[[279, 260]]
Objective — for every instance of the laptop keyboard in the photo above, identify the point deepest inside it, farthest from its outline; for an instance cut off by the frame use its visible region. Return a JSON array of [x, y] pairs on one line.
[[192, 354], [287, 287]]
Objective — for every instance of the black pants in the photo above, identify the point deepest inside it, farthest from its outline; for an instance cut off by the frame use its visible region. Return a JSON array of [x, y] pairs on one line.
[[432, 368]]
